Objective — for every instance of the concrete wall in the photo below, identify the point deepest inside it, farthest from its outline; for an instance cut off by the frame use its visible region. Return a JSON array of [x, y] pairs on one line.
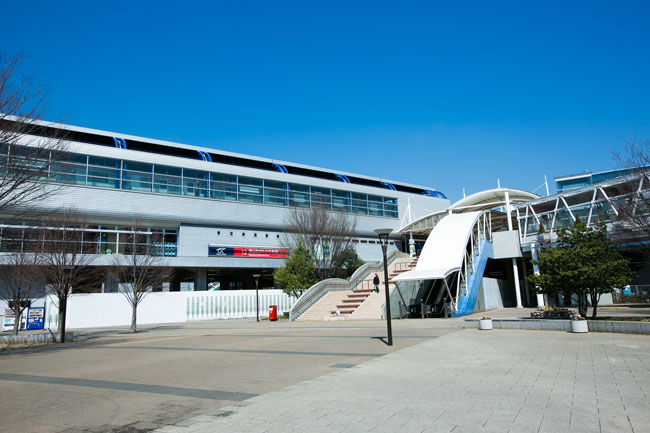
[[565, 325]]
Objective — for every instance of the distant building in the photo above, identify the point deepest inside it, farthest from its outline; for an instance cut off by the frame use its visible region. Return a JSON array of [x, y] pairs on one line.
[[572, 181]]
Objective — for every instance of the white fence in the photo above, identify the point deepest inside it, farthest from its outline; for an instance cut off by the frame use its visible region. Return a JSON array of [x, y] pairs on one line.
[[112, 309]]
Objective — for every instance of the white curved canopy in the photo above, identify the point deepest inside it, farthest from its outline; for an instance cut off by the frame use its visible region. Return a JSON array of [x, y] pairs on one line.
[[491, 198], [444, 250], [480, 201]]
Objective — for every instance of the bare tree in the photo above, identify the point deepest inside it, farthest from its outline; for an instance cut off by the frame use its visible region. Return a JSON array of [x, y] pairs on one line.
[[327, 235], [66, 263], [20, 281], [139, 269], [27, 146], [633, 203]]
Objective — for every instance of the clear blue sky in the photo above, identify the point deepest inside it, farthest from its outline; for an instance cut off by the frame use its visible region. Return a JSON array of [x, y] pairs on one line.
[[442, 94]]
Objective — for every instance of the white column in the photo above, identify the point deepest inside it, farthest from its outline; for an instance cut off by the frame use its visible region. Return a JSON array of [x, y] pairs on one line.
[[515, 269], [533, 251]]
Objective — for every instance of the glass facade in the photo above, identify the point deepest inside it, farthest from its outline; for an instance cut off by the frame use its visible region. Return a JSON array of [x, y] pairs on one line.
[[76, 169], [95, 240]]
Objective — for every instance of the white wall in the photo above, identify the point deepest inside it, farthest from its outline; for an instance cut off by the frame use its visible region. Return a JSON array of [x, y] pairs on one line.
[[111, 309]]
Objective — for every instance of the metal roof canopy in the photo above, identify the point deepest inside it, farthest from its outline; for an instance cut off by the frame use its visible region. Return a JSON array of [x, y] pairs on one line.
[[480, 201]]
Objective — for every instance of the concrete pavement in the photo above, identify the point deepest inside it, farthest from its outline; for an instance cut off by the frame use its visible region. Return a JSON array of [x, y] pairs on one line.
[[466, 381], [111, 381]]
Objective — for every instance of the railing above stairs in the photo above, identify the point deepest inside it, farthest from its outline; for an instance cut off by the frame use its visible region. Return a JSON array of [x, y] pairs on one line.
[[318, 290]]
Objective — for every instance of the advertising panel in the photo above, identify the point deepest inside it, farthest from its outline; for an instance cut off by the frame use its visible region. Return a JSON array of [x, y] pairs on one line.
[[267, 253]]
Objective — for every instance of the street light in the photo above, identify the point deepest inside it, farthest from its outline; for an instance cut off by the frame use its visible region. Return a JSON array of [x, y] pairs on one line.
[[383, 240], [257, 294]]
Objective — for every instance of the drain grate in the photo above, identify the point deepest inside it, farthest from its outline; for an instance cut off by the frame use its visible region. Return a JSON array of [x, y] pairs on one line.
[[342, 365]]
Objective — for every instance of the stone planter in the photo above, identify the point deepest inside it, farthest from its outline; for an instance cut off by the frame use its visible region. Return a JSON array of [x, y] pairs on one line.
[[485, 324], [579, 326]]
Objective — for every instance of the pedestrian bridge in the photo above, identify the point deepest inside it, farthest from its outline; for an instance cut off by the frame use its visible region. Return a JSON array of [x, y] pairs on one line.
[[453, 260]]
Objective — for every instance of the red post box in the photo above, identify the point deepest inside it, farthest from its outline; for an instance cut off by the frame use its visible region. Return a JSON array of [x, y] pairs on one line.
[[273, 312]]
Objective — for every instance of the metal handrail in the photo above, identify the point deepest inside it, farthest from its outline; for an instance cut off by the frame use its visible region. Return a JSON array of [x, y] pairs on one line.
[[315, 292]]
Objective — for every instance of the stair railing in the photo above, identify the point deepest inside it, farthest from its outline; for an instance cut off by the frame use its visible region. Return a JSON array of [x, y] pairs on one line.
[[318, 290]]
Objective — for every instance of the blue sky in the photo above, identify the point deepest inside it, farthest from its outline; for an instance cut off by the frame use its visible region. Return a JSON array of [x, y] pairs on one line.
[[442, 94]]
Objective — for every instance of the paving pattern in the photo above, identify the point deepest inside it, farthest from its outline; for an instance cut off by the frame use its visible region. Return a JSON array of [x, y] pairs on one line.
[[110, 381], [468, 381]]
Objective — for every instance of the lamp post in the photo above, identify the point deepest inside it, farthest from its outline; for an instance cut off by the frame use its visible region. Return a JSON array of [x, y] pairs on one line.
[[257, 294], [383, 240]]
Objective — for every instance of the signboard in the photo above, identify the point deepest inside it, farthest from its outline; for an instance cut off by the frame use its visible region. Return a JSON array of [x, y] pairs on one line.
[[265, 253], [35, 318]]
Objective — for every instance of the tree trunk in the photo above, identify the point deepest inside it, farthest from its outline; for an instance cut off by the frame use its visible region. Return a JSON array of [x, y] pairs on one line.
[[594, 304], [582, 304], [63, 306], [16, 321], [134, 318]]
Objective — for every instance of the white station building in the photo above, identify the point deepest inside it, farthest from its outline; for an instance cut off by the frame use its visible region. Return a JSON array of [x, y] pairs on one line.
[[220, 215]]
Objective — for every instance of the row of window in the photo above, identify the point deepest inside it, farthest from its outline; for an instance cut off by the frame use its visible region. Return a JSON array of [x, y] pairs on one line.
[[92, 241], [103, 172]]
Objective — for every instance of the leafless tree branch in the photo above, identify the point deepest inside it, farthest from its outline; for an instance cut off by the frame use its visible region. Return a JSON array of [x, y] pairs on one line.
[[140, 269], [327, 235], [27, 147]]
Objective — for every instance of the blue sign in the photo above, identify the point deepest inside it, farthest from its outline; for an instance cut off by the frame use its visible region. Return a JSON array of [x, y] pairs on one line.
[[35, 318]]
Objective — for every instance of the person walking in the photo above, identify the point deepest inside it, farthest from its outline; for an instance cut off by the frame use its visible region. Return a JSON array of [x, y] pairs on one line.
[[375, 281]]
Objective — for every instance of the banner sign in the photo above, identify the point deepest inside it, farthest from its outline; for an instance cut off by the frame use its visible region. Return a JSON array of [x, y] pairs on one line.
[[35, 318], [265, 253]]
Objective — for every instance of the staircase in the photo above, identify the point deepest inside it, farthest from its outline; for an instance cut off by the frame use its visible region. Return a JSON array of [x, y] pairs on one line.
[[470, 289], [361, 303]]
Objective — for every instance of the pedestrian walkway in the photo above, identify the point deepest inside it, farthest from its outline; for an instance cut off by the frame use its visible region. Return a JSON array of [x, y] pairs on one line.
[[466, 381]]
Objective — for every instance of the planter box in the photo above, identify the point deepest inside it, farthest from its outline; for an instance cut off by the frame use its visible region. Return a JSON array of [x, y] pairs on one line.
[[485, 324], [579, 326]]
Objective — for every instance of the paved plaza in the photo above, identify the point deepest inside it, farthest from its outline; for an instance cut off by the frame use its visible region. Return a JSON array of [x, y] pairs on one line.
[[467, 381], [113, 381], [243, 376]]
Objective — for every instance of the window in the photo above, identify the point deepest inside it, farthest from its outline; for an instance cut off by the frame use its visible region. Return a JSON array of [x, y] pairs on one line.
[[299, 195], [375, 205], [321, 198], [196, 183], [167, 180], [223, 186], [104, 172], [359, 203], [275, 193], [136, 176], [340, 201], [250, 189], [112, 173], [390, 207], [69, 168]]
